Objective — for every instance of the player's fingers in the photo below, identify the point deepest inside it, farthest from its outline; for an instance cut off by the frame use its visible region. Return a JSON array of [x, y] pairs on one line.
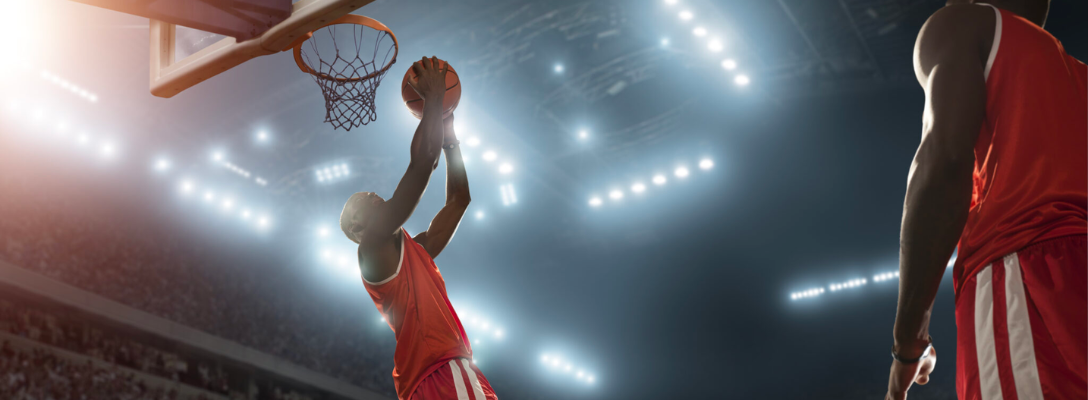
[[927, 367], [434, 63]]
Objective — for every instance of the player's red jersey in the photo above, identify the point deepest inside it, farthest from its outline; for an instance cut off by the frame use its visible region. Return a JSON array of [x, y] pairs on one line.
[[415, 305], [1031, 173]]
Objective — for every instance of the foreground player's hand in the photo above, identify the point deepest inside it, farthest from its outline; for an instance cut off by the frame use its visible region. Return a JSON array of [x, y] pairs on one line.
[[903, 375], [430, 78]]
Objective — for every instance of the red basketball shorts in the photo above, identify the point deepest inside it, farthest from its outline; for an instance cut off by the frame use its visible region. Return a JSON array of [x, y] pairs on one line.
[[457, 380], [1023, 325]]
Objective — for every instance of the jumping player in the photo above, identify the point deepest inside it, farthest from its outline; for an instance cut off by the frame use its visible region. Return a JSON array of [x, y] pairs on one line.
[[433, 358], [1002, 169]]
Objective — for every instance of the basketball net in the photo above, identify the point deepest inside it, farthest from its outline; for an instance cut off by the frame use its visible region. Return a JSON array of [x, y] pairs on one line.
[[348, 59]]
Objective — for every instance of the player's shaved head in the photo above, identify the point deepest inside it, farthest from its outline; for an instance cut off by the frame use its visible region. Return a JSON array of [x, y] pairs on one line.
[[357, 212]]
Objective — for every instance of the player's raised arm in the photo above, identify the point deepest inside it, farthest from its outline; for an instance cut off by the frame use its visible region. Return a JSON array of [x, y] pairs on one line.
[[430, 83], [950, 58], [444, 224]]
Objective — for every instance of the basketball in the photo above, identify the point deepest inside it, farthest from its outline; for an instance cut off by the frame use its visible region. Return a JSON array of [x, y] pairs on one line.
[[415, 103]]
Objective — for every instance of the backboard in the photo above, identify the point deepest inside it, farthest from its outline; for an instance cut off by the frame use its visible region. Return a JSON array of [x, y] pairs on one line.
[[194, 40]]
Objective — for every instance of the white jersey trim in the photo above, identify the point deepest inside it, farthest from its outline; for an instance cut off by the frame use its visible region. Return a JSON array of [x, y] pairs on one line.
[[399, 263], [458, 381], [477, 390], [997, 42]]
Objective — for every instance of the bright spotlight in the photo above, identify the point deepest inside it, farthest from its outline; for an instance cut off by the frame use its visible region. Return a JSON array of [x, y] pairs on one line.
[[729, 64], [107, 150], [671, 2], [209, 196], [714, 45], [660, 179], [706, 164], [506, 168], [699, 31], [262, 222], [595, 201], [262, 136], [567, 368], [228, 204], [590, 379], [217, 156], [245, 214], [681, 172], [615, 194], [558, 68], [185, 187], [473, 141], [83, 139], [741, 80], [555, 362], [580, 374], [479, 215], [664, 42], [323, 231], [583, 134], [490, 156], [499, 334], [686, 15], [162, 165], [544, 358], [638, 188]]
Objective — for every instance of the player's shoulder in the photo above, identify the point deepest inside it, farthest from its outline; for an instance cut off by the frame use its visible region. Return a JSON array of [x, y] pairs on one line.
[[960, 19]]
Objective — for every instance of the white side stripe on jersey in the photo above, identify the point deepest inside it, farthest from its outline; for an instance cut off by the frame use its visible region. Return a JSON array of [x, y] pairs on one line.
[[989, 382], [1021, 347], [477, 390], [458, 381]]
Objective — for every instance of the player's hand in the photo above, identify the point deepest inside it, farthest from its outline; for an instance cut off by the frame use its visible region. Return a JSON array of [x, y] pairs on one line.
[[430, 79], [903, 375]]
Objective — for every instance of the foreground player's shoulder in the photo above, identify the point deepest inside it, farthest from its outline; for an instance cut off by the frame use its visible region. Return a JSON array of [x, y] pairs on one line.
[[954, 31]]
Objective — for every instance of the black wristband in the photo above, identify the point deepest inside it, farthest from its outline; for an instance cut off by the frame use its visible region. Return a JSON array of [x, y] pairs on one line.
[[925, 353]]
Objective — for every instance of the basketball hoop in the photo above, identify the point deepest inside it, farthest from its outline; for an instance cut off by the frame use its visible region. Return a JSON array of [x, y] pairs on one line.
[[348, 80]]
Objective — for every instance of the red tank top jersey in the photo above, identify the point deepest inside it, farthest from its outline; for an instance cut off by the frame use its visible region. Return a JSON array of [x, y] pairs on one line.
[[1031, 156], [414, 303]]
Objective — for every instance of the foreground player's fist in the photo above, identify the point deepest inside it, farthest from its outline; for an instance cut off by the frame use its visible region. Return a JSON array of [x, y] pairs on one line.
[[903, 375], [430, 79]]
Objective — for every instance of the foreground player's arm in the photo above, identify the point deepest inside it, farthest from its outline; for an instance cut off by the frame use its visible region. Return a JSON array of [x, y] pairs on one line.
[[444, 224], [949, 61], [426, 149]]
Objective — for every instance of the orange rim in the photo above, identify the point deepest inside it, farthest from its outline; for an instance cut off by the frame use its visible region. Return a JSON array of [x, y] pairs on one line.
[[346, 19]]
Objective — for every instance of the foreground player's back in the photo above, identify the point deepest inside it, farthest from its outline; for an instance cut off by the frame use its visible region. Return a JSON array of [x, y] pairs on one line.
[[1030, 157]]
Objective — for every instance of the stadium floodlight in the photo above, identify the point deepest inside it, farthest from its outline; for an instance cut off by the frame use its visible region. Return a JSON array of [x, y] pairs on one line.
[[209, 196], [506, 168], [323, 231], [555, 362], [706, 164], [382, 319], [729, 64], [477, 341], [558, 68], [671, 2], [490, 156], [681, 172], [715, 45], [638, 187], [484, 325], [107, 150], [595, 201], [262, 136], [228, 203], [590, 379], [473, 141], [741, 80], [544, 358], [83, 139], [583, 134], [186, 186], [246, 214], [499, 333], [699, 31], [664, 42], [660, 179], [479, 215], [217, 155], [686, 15], [567, 368], [263, 222], [615, 194]]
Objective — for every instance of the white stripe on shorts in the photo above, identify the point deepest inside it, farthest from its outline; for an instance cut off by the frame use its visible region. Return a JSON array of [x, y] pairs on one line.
[[458, 381], [1021, 347], [989, 382], [477, 390]]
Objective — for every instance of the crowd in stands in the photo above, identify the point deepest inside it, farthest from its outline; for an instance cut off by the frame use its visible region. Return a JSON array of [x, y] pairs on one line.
[[40, 375], [160, 273]]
